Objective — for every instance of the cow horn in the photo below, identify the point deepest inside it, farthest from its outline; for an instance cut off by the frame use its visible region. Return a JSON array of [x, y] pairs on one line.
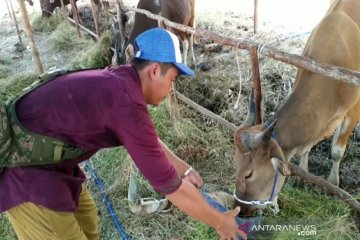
[[252, 141], [250, 118], [266, 135]]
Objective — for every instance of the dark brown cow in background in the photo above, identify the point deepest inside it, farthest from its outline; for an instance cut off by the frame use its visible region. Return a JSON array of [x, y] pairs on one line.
[[48, 6], [179, 11], [317, 107], [141, 23]]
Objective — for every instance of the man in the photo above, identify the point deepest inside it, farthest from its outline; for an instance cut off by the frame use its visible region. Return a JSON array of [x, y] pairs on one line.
[[96, 109]]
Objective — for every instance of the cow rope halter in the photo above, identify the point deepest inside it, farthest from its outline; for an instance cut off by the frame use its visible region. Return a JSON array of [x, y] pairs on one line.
[[271, 199], [260, 202]]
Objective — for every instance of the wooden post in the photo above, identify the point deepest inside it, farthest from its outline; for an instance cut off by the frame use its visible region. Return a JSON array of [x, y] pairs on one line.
[[29, 32], [13, 16], [255, 16], [75, 16], [257, 85], [95, 14]]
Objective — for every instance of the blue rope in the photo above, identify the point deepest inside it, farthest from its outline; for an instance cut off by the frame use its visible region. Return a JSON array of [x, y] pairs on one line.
[[250, 221], [267, 125], [107, 201], [274, 186]]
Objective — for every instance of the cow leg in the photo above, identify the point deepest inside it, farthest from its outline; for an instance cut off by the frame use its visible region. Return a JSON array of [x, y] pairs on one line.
[[337, 152], [117, 43], [185, 44], [339, 142], [78, 13], [304, 159], [192, 37], [192, 50]]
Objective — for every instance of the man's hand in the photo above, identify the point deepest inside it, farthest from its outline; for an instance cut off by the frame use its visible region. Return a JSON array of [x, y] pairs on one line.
[[194, 178], [226, 233]]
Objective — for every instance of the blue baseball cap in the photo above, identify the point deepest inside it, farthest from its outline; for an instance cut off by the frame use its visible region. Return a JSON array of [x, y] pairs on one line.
[[160, 45]]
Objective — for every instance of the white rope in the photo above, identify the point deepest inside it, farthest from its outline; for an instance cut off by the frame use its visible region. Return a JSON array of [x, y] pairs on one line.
[[255, 202]]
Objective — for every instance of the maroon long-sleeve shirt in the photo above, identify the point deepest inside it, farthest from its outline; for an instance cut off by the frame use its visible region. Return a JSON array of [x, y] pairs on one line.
[[92, 109]]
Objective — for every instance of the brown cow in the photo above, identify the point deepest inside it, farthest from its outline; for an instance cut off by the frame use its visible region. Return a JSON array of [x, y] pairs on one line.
[[179, 11], [317, 107], [48, 6]]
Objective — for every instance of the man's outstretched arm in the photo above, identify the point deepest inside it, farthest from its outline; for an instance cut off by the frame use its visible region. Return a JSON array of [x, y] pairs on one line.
[[182, 168], [188, 199]]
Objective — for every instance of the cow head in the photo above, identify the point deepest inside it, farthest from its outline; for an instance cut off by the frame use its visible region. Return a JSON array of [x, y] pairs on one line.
[[259, 161], [48, 6], [119, 38]]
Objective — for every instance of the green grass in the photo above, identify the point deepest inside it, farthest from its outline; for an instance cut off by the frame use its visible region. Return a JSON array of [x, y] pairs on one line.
[[65, 38], [46, 25], [4, 71], [14, 84], [200, 231], [4, 61], [330, 217], [98, 55], [6, 230], [4, 67]]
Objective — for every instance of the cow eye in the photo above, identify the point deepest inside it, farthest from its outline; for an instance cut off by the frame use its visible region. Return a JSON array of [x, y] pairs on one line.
[[249, 175]]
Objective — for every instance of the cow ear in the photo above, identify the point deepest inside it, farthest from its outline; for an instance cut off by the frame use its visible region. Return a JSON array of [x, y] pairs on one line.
[[280, 166], [278, 160], [129, 52], [238, 141]]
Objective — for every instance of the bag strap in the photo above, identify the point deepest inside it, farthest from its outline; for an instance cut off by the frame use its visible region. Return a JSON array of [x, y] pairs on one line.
[[38, 152]]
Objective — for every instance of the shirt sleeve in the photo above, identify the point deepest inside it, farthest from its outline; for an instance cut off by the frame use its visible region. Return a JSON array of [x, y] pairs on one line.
[[135, 130]]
